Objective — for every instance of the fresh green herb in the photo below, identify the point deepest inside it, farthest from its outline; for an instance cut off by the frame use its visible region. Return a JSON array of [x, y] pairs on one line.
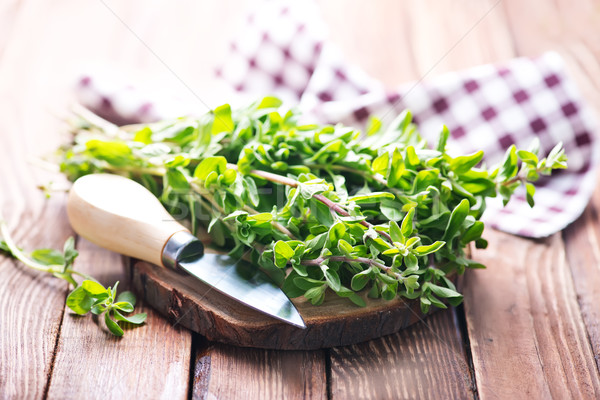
[[87, 296], [319, 208]]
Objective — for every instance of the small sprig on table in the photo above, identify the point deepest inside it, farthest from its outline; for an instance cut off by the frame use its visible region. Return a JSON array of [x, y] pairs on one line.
[[87, 296], [319, 208]]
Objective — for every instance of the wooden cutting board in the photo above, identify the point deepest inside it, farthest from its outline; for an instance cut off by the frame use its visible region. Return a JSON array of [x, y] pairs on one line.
[[190, 303]]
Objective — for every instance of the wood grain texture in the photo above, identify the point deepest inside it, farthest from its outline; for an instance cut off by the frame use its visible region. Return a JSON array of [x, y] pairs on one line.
[[337, 322], [425, 361], [583, 253], [31, 303], [227, 372], [538, 345], [527, 334], [151, 361]]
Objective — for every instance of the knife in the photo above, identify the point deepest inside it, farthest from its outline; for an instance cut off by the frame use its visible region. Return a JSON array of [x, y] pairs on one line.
[[123, 216]]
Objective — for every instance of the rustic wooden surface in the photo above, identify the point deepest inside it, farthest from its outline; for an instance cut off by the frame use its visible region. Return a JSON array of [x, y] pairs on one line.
[[337, 322], [530, 326]]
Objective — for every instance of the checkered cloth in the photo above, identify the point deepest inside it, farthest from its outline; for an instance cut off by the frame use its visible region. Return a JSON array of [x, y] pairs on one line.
[[283, 51]]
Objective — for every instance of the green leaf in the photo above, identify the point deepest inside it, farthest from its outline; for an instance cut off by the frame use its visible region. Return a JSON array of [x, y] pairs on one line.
[[48, 257], [356, 299], [79, 301], [332, 278], [372, 197], [113, 152], [444, 292], [269, 102], [373, 125], [462, 164], [360, 280], [123, 306], [457, 217], [412, 159], [177, 161], [432, 248], [473, 233], [176, 180], [530, 192], [112, 326], [252, 191], [443, 139], [396, 233], [344, 247], [411, 262], [391, 210], [136, 319], [425, 304], [528, 157], [217, 164], [69, 252], [316, 295], [336, 232], [128, 297], [390, 252], [435, 302], [223, 121], [411, 282], [509, 165], [407, 223], [397, 169], [4, 247], [306, 283], [309, 189], [93, 288], [144, 135], [381, 163], [283, 253]]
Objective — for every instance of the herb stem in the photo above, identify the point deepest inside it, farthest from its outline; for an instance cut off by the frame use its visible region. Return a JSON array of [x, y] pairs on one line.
[[275, 224], [376, 177], [362, 260], [19, 255], [294, 183], [83, 275]]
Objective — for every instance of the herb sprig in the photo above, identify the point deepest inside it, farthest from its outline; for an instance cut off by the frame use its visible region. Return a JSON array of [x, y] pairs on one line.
[[85, 297], [319, 208]]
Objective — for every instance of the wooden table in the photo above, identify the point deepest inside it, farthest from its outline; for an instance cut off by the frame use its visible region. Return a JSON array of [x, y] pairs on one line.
[[530, 325]]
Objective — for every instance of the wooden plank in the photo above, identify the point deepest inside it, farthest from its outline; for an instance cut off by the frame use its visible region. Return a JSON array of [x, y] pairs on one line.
[[31, 303], [583, 252], [526, 331], [151, 361], [424, 361], [227, 372], [566, 26]]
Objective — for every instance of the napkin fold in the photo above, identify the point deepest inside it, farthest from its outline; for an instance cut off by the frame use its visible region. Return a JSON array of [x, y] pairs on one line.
[[284, 51]]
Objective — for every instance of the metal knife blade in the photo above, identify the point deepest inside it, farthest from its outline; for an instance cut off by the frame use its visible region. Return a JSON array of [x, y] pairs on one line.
[[233, 277]]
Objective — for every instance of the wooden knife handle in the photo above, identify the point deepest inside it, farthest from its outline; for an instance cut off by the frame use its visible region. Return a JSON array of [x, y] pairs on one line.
[[121, 215]]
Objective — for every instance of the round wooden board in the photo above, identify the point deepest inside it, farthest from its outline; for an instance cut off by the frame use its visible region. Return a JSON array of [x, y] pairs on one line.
[[188, 302]]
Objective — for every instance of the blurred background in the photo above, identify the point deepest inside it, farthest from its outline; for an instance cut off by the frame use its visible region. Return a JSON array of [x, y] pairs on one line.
[[46, 46], [176, 48]]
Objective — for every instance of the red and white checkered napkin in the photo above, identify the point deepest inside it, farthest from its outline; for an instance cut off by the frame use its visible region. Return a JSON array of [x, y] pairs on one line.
[[487, 107], [283, 51]]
